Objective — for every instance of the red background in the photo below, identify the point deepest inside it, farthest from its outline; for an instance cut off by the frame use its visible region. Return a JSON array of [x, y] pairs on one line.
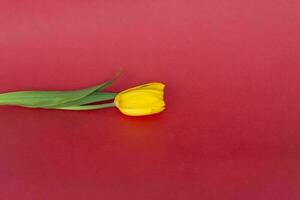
[[231, 129]]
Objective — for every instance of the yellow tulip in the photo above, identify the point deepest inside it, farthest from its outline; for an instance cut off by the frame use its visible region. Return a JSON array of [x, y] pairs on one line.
[[142, 100]]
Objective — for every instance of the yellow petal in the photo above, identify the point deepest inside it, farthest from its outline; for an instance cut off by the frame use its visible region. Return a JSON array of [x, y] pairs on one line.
[[141, 112], [154, 86]]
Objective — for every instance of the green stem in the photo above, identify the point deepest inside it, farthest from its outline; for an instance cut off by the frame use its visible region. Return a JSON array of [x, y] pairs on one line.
[[88, 107]]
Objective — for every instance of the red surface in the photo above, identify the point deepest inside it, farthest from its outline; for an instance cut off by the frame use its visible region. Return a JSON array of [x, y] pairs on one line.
[[232, 125]]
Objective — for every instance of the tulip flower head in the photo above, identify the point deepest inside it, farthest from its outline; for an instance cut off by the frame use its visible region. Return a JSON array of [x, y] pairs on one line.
[[142, 100]]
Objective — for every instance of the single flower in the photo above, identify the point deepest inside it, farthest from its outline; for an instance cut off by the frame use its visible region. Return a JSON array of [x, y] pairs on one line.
[[142, 100]]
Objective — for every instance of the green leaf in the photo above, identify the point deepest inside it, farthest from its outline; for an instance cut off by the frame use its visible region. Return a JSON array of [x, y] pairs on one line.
[[44, 99], [92, 98]]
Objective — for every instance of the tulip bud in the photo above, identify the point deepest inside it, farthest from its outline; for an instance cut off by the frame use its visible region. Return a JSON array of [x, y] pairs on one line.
[[142, 100]]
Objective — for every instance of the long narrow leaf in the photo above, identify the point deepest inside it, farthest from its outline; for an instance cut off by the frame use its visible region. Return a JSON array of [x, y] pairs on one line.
[[92, 98], [43, 99]]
